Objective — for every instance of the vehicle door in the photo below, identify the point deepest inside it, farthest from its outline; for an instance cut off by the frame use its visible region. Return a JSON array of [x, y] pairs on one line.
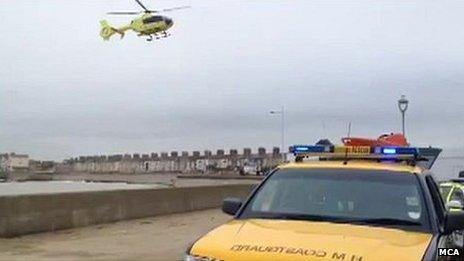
[[457, 195], [454, 239]]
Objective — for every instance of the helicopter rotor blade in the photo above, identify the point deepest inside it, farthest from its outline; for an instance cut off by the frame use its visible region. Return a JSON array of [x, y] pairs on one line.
[[148, 11], [123, 13], [174, 8], [141, 5], [167, 9]]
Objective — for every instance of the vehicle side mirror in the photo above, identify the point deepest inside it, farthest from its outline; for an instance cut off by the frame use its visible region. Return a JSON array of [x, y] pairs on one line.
[[455, 205], [461, 174], [231, 205], [454, 221]]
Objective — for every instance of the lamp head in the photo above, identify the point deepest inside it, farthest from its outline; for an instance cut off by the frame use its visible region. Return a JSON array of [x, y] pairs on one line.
[[403, 103]]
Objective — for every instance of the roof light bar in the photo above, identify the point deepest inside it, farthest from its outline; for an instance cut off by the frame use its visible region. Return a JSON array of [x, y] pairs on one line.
[[389, 151], [396, 151], [359, 152], [298, 149]]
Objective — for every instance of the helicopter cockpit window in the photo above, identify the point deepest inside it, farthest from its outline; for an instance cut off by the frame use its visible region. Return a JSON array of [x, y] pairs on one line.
[[153, 19]]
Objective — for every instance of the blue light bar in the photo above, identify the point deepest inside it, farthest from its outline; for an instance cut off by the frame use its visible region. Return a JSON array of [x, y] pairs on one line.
[[396, 151], [309, 149], [389, 151]]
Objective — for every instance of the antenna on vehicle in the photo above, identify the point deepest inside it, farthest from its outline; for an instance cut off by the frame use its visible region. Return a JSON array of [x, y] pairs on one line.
[[349, 129], [324, 129], [346, 148]]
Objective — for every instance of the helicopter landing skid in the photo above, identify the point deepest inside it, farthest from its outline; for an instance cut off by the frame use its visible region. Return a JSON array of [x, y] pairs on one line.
[[157, 36], [150, 38]]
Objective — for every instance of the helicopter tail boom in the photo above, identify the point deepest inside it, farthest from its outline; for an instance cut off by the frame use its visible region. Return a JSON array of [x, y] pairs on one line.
[[107, 31]]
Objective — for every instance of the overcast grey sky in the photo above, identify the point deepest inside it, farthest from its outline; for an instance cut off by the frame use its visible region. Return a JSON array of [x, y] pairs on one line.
[[65, 92]]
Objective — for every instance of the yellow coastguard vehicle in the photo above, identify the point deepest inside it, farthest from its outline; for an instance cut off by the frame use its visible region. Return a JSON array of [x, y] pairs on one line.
[[452, 192], [350, 203]]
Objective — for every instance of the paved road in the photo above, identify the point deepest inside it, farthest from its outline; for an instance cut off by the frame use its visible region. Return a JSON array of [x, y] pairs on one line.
[[162, 238]]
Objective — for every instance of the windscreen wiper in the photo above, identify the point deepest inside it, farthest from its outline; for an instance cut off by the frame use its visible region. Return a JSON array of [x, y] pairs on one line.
[[373, 221], [386, 221], [291, 216]]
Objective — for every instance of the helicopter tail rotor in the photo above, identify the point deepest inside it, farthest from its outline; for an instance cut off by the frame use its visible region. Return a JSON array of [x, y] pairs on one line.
[[107, 31]]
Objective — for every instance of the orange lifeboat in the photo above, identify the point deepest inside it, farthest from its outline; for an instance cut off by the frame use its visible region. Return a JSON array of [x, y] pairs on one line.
[[393, 139]]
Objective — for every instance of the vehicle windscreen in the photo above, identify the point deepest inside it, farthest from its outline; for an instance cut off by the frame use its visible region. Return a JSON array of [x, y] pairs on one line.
[[444, 191], [367, 197]]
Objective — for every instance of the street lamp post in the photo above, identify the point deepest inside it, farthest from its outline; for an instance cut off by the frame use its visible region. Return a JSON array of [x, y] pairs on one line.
[[403, 106], [282, 116]]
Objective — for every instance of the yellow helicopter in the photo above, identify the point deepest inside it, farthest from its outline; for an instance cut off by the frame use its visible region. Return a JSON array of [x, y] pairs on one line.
[[146, 25]]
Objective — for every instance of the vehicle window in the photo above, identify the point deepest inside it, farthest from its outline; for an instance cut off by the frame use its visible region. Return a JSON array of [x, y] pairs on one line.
[[437, 199], [152, 19], [341, 196], [457, 195], [444, 191]]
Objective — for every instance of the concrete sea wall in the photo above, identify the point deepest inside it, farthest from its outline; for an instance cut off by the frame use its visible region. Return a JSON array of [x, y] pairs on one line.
[[25, 214]]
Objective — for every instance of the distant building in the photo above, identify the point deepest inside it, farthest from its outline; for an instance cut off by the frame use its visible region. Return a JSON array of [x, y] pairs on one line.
[[41, 166], [3, 160], [14, 162]]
